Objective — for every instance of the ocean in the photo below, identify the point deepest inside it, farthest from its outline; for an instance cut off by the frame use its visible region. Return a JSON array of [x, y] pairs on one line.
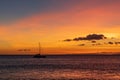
[[60, 68]]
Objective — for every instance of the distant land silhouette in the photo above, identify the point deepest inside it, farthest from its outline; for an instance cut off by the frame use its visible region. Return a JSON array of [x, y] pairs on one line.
[[73, 54]]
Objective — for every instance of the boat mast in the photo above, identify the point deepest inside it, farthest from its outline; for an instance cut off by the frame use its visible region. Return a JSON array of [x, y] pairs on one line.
[[39, 48]]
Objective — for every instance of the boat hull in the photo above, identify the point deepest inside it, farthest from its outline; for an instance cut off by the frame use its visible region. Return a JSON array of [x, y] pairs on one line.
[[39, 56]]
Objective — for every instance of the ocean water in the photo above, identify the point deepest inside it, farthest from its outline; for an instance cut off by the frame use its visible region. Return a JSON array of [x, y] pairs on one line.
[[60, 68]]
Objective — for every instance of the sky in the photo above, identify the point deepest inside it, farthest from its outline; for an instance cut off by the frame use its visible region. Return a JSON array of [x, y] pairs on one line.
[[61, 26]]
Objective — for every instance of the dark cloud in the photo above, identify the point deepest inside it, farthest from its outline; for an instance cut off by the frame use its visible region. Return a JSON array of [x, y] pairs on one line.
[[95, 37], [117, 43], [89, 37], [93, 41], [79, 38], [67, 40], [110, 43]]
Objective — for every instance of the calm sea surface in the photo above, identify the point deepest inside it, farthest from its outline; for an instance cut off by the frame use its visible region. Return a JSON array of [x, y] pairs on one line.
[[60, 68]]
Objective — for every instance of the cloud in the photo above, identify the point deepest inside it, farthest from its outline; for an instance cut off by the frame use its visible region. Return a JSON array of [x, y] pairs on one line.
[[91, 37], [88, 37], [95, 37], [117, 43], [79, 38], [110, 43], [67, 40], [93, 41]]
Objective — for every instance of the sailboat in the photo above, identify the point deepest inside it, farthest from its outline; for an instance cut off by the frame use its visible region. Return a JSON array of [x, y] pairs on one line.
[[39, 54]]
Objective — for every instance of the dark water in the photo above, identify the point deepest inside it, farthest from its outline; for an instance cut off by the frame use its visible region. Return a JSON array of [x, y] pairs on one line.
[[60, 68]]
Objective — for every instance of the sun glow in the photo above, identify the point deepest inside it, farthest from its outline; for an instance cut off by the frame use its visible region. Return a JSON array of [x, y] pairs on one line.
[[112, 35]]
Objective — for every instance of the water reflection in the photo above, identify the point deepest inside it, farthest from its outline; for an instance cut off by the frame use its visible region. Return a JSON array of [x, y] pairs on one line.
[[80, 68], [61, 75]]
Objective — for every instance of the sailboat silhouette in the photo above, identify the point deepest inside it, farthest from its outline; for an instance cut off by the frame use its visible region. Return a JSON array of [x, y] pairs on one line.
[[39, 54]]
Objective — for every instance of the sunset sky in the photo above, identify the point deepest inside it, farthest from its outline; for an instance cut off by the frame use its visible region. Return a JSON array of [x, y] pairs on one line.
[[57, 23]]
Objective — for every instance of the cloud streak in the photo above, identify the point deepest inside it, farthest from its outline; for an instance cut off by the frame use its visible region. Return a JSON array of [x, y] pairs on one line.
[[88, 37]]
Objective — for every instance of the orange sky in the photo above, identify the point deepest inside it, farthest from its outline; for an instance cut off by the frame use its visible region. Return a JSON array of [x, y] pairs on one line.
[[51, 27]]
